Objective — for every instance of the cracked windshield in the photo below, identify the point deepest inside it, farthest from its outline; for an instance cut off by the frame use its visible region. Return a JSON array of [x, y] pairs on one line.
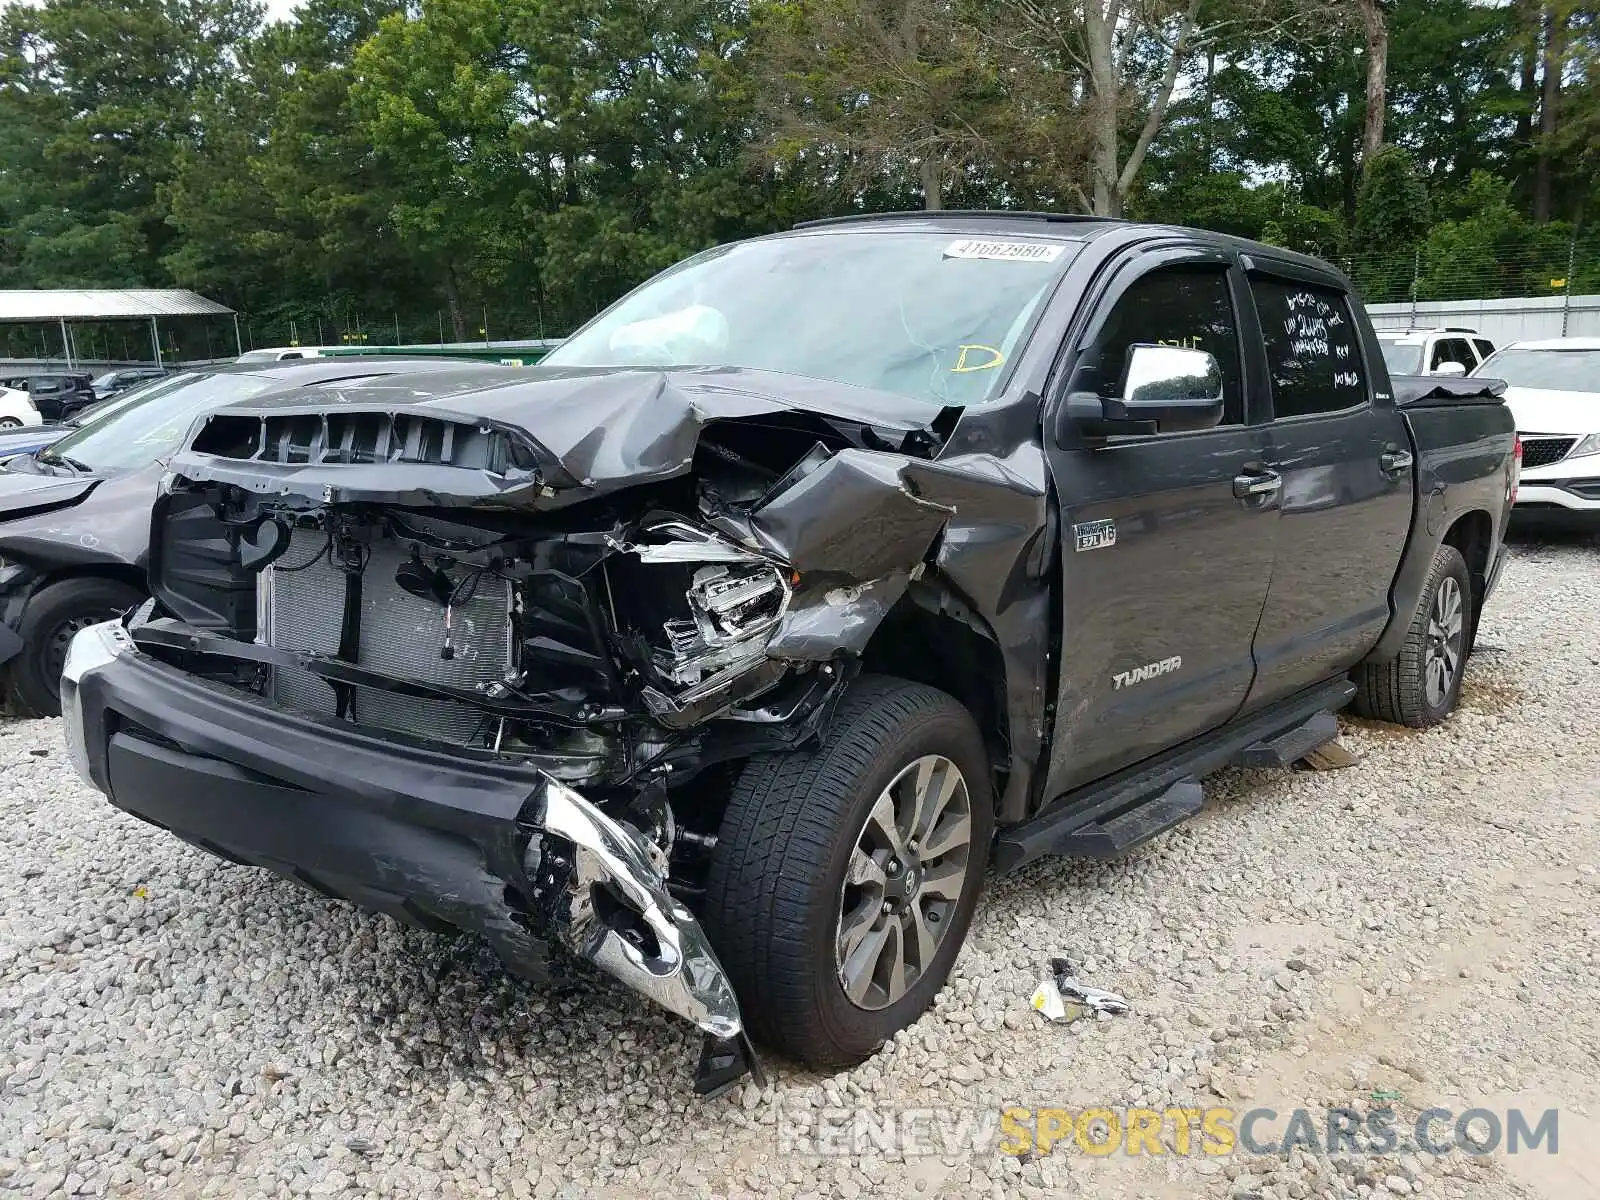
[[929, 316]]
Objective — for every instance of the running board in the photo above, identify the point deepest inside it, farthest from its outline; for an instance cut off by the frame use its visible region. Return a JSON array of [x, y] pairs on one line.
[[1151, 797], [1135, 826], [1292, 745]]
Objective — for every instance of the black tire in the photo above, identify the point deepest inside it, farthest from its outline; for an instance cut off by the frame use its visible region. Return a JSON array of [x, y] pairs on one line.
[[54, 613], [10, 423], [778, 873], [1397, 691]]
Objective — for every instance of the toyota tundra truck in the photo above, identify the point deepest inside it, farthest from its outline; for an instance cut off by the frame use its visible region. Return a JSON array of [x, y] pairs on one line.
[[730, 648]]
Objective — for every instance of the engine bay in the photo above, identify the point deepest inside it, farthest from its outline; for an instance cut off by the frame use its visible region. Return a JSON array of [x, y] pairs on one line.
[[589, 652]]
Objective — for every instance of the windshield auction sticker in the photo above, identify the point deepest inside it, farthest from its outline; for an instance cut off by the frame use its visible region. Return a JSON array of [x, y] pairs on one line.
[[1004, 251]]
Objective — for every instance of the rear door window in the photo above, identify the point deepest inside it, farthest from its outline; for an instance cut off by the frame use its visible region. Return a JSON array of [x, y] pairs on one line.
[[1313, 347], [1451, 350]]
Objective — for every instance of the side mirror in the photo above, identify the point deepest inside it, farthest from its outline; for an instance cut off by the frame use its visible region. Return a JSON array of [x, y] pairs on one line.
[[1164, 389], [1450, 368]]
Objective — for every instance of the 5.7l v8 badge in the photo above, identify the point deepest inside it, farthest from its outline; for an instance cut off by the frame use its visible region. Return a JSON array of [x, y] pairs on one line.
[[1094, 535]]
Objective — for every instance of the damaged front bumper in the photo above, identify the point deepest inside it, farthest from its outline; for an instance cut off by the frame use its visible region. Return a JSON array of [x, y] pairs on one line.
[[435, 839]]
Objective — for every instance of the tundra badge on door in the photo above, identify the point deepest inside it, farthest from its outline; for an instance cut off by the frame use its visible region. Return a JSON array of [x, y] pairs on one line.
[[1094, 535], [1166, 666]]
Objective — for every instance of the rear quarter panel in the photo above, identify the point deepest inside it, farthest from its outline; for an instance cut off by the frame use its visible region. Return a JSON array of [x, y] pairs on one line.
[[1463, 467]]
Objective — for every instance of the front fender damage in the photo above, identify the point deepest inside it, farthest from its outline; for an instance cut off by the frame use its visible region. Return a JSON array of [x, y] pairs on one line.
[[857, 531]]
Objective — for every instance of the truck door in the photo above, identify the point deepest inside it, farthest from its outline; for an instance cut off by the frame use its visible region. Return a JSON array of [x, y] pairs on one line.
[[1344, 457], [1167, 538]]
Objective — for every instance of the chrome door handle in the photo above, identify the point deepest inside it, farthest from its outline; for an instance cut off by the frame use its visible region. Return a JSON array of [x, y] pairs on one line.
[[1395, 461], [1261, 483]]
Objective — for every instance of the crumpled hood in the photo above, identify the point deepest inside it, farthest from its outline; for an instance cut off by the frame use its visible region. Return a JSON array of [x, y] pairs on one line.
[[25, 495], [587, 433], [1541, 410]]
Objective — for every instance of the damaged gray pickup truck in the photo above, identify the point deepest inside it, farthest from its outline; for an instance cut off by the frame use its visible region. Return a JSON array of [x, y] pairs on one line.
[[728, 647]]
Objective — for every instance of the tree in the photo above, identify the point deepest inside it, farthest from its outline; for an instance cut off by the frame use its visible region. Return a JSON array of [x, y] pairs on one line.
[[1101, 60], [1495, 250], [552, 153], [874, 88], [1391, 221], [1553, 21], [371, 165], [1452, 86], [1110, 69], [94, 99], [279, 200], [1375, 30]]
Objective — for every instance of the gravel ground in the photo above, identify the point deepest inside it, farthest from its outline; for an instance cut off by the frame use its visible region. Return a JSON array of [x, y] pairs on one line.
[[1423, 922]]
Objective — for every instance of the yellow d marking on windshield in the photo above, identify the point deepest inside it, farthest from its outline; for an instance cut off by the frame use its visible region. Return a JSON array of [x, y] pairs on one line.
[[962, 366]]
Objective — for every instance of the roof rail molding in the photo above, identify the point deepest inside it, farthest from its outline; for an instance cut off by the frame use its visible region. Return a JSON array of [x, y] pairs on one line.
[[958, 214]]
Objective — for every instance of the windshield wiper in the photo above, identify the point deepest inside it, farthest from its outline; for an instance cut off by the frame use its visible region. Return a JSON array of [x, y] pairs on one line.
[[51, 457]]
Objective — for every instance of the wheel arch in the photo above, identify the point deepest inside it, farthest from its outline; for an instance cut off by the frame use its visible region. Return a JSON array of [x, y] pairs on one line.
[[123, 573], [1472, 533], [934, 637]]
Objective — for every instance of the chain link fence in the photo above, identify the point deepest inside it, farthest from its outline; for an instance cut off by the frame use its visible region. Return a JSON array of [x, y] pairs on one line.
[[1554, 263], [332, 325]]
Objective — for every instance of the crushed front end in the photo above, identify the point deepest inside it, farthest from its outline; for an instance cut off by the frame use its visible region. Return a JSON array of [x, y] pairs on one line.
[[394, 659]]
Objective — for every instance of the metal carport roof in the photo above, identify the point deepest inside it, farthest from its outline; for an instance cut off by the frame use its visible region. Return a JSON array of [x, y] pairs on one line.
[[111, 304]]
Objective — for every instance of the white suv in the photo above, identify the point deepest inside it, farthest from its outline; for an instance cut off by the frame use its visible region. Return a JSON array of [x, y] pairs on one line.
[[1453, 351], [1553, 391]]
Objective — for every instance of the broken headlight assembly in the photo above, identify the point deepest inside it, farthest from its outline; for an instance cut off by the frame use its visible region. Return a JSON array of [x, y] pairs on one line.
[[732, 601]]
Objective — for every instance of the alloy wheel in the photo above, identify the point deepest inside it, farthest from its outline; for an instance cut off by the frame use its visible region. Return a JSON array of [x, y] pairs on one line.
[[903, 882], [1445, 626]]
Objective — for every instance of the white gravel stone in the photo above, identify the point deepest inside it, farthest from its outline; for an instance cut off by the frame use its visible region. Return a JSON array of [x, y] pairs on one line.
[[1422, 922]]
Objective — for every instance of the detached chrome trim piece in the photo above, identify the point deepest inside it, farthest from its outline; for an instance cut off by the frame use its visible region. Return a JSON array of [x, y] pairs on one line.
[[684, 977]]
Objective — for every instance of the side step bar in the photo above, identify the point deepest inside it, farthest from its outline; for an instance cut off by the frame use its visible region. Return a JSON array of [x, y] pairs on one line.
[[1133, 826], [1292, 745], [1135, 804]]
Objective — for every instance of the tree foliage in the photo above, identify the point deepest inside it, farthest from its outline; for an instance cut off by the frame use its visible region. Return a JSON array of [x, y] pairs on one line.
[[1392, 212], [507, 167]]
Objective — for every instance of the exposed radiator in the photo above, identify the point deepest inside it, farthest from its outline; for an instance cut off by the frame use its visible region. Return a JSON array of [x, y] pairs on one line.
[[398, 633], [300, 607]]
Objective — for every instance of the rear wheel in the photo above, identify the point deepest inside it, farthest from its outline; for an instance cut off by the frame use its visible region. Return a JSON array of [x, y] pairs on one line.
[[1421, 685], [10, 423], [53, 617], [844, 878]]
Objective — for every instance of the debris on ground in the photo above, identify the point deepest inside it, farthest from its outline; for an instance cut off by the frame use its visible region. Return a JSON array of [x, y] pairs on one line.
[[1329, 758], [1064, 998]]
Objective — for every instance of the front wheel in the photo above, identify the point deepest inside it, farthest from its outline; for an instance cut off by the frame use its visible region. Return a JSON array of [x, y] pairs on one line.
[[844, 878], [1420, 686], [53, 617], [10, 423]]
